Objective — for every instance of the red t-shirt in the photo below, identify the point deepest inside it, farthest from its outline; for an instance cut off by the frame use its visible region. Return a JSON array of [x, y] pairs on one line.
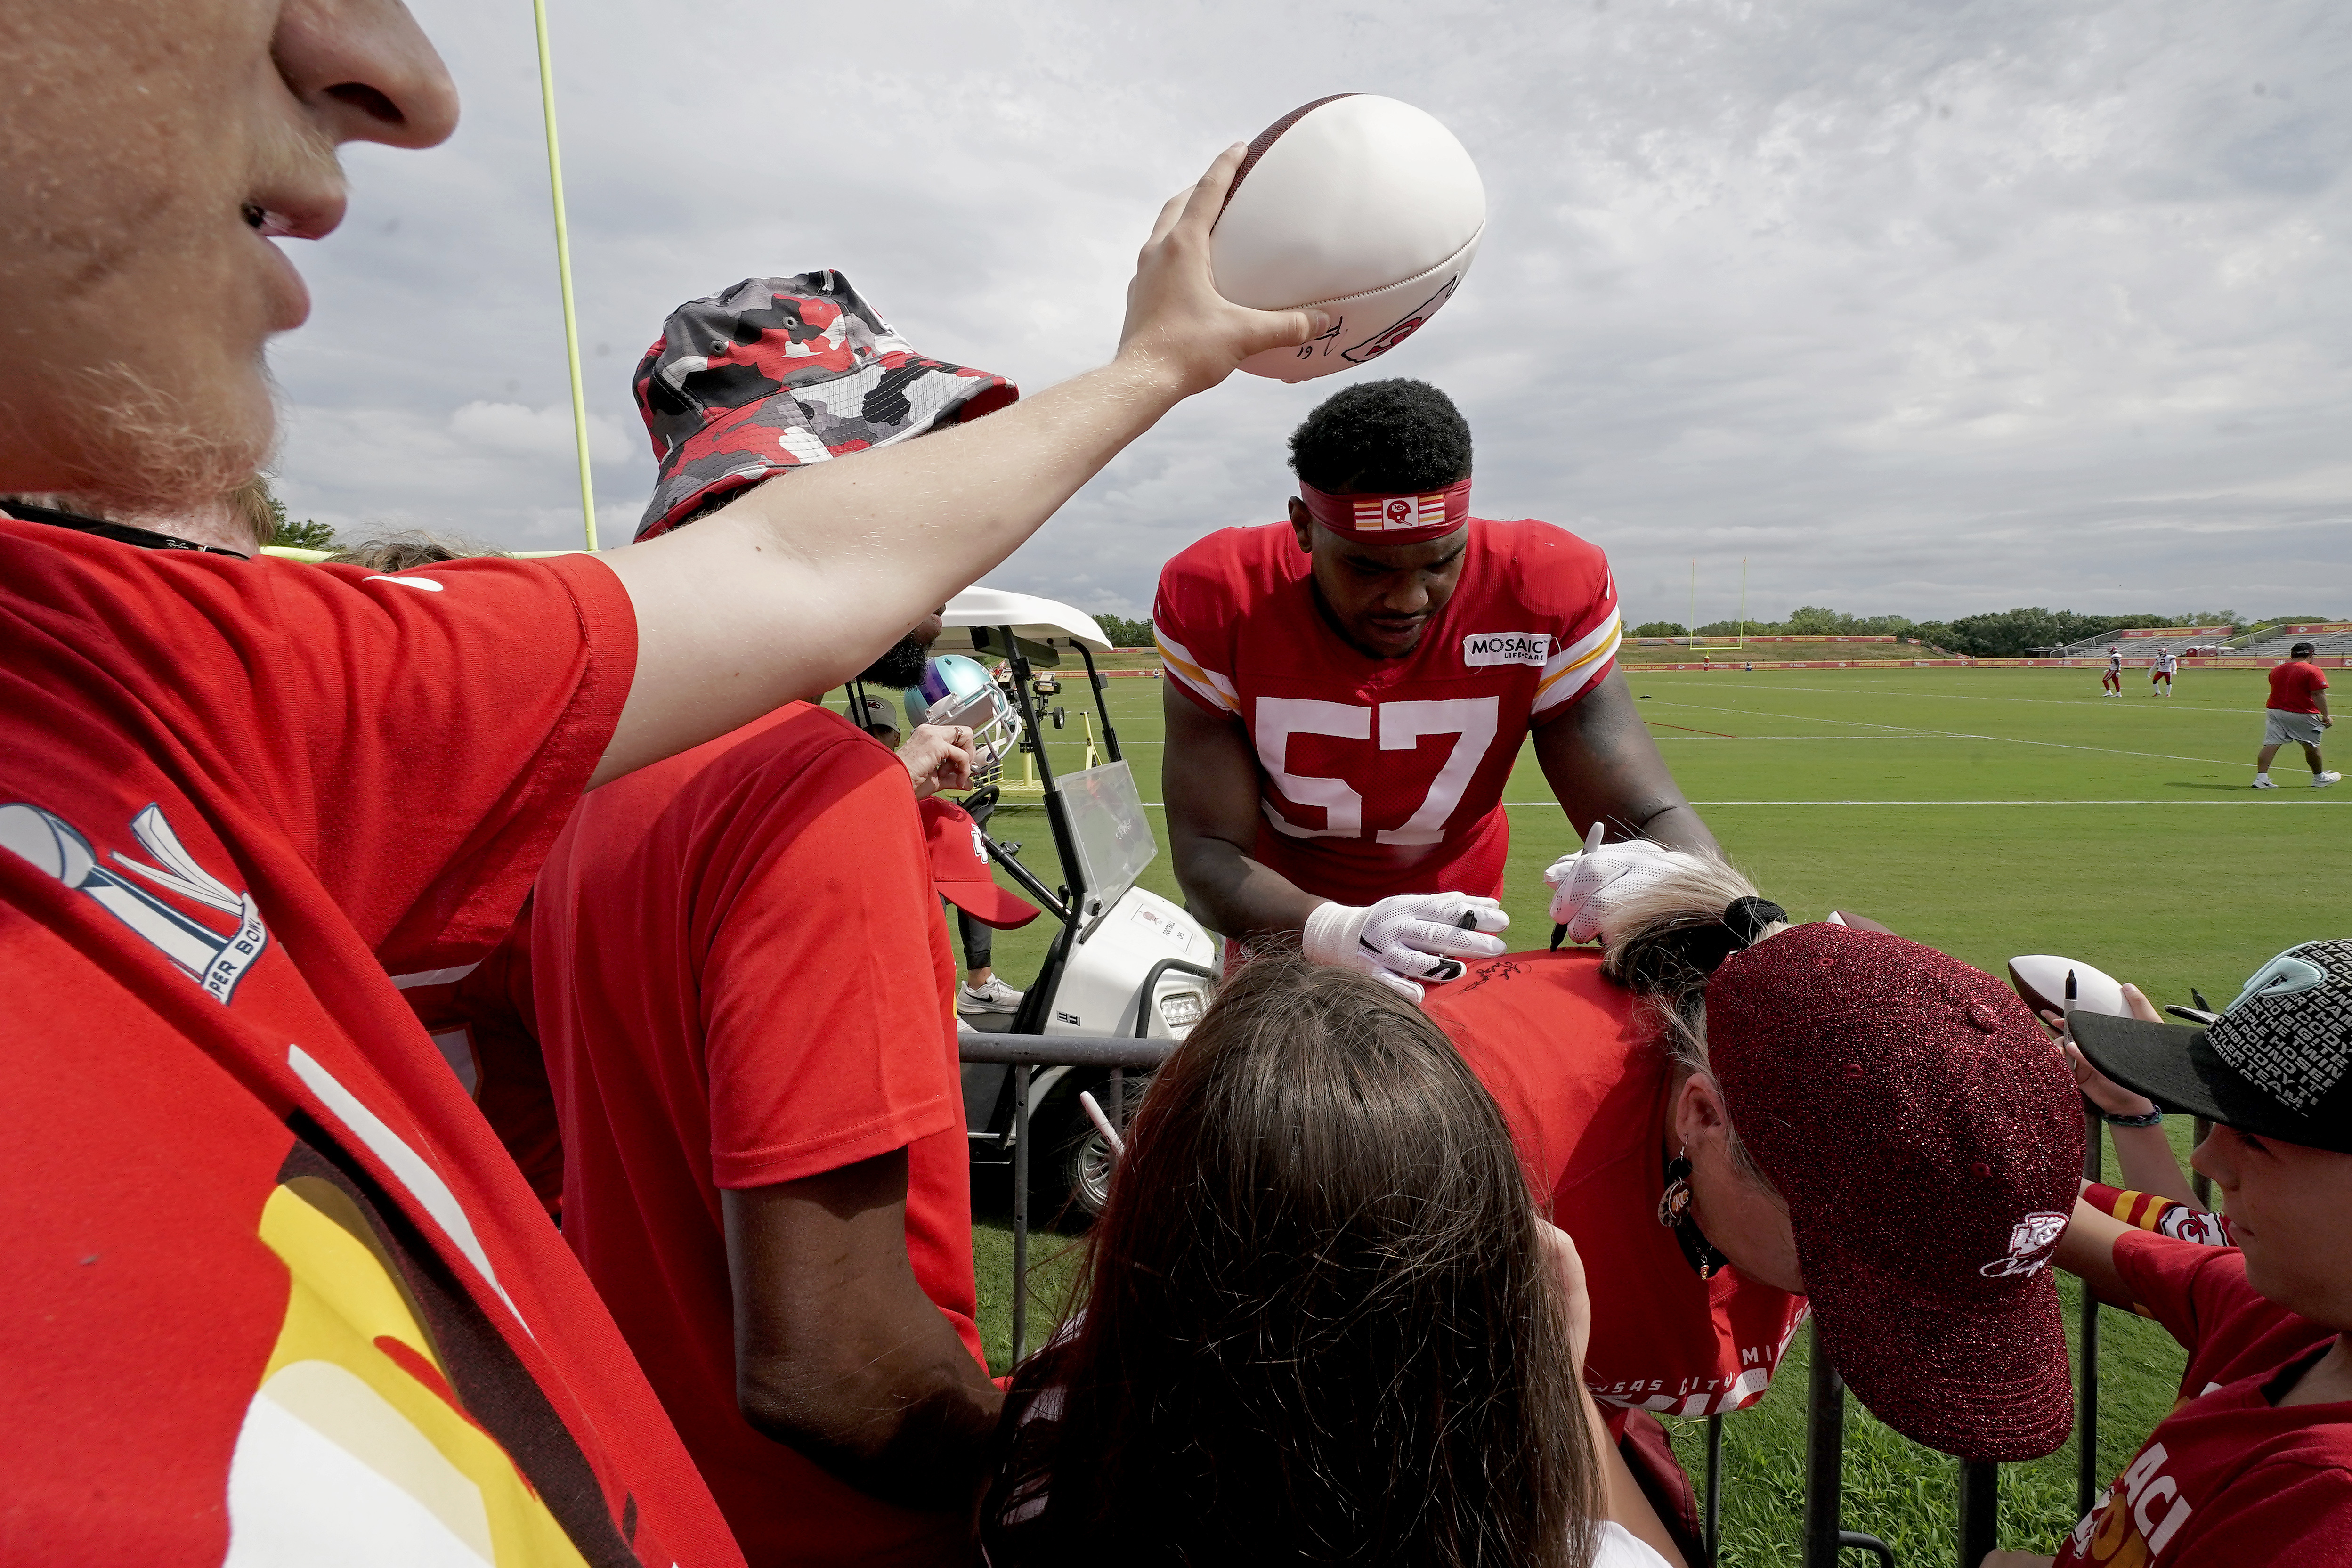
[[2293, 686], [1584, 1088], [2228, 1480], [743, 979], [270, 1273], [480, 1016], [1386, 776]]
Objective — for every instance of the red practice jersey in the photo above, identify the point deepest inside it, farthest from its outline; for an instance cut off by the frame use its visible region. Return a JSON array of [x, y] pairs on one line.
[[1385, 775], [1571, 1060]]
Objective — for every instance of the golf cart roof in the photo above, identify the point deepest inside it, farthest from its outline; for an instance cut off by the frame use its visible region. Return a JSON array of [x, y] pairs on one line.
[[1032, 618]]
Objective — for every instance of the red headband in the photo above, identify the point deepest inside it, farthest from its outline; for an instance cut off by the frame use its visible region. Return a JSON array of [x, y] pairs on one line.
[[1408, 518]]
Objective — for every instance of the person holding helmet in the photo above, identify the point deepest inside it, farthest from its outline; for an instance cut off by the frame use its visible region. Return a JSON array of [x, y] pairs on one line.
[[963, 694], [2253, 1466], [1738, 1120]]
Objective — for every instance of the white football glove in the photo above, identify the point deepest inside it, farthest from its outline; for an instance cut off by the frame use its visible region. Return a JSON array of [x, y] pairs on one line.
[[1587, 888], [1403, 940]]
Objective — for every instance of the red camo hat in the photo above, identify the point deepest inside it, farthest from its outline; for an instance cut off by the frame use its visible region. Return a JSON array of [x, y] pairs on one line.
[[777, 373], [960, 868], [1927, 1139]]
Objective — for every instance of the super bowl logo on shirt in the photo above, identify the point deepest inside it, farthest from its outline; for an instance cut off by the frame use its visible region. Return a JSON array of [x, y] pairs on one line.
[[2133, 1521], [213, 959], [2030, 1240], [1482, 648]]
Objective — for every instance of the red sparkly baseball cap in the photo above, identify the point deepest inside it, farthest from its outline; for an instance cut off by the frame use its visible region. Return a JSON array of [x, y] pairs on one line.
[[960, 868], [1927, 1139]]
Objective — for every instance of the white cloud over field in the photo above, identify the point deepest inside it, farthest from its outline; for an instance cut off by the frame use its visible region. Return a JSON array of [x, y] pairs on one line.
[[1919, 307]]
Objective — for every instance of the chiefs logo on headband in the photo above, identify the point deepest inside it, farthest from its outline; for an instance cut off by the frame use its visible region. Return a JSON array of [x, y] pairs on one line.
[[1390, 519]]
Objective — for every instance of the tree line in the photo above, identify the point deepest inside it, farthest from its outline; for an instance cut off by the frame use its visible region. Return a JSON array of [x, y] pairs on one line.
[[1999, 634]]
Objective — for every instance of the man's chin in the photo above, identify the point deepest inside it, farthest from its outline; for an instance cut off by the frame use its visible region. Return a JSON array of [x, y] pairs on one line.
[[140, 447], [1380, 645]]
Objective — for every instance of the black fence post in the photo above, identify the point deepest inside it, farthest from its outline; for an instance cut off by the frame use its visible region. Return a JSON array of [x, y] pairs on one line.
[[2198, 1182], [1713, 1488], [1979, 1511], [1825, 1468], [1824, 1457], [2086, 1358], [1020, 1211]]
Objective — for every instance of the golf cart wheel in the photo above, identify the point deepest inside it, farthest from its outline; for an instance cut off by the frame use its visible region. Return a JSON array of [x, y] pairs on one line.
[[1086, 1170], [1073, 1175]]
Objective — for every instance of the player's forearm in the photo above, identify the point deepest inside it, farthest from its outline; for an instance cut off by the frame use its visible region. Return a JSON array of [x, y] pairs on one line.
[[1603, 766], [801, 584], [1679, 827], [1237, 897]]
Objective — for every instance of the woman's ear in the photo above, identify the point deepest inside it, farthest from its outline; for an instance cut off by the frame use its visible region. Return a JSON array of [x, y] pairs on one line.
[[1697, 1116]]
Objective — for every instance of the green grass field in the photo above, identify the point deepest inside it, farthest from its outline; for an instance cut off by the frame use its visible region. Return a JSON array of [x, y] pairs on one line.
[[1986, 812]]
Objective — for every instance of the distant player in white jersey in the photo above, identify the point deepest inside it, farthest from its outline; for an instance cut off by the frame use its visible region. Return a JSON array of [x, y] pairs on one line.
[[2112, 683], [2159, 674], [1349, 690]]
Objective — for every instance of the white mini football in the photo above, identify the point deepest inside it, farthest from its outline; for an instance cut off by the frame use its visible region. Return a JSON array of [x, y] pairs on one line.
[[2040, 979], [1357, 204]]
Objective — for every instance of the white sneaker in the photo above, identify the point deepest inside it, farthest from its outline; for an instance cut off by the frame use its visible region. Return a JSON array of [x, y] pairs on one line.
[[2321, 781], [2264, 781], [993, 997]]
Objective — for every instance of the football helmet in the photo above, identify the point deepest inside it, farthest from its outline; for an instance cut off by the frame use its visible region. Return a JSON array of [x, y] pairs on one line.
[[959, 690]]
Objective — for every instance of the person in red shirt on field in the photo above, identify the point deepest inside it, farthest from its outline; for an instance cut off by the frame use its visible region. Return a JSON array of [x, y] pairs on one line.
[[2253, 1466], [746, 1000], [2297, 713], [1734, 1117], [1348, 692], [275, 1291]]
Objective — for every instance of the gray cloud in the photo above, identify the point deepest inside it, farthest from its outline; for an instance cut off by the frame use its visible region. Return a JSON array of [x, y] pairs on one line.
[[1919, 307]]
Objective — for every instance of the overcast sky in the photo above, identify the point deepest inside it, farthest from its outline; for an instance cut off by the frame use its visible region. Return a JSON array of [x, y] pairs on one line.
[[1920, 308]]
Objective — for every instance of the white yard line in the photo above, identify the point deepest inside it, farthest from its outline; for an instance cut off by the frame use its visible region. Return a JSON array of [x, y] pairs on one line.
[[1917, 732], [2153, 704]]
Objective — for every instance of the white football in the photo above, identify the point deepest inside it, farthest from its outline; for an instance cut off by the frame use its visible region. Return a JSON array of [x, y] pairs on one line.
[[2040, 979], [1360, 206]]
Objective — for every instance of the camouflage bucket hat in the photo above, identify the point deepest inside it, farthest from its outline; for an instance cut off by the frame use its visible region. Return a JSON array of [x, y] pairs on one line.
[[776, 373]]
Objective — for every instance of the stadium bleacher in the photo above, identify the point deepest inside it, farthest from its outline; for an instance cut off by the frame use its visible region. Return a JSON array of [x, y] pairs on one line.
[[2141, 648], [2275, 645]]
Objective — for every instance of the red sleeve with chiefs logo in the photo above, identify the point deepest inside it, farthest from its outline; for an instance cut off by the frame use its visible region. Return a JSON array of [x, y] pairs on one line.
[[1566, 1056], [2229, 1478], [276, 1292], [1386, 776]]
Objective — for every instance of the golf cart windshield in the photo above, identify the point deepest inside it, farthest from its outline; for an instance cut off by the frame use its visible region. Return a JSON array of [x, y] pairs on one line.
[[1109, 831]]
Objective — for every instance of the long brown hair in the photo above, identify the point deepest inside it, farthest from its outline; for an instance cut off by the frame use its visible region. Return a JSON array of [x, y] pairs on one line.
[[1320, 1324]]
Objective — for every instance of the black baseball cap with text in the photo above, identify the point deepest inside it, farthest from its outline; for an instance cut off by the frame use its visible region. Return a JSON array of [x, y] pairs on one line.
[[2276, 1062]]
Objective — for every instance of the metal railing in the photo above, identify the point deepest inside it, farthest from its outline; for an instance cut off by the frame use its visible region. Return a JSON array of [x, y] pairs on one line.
[[1023, 1053], [1980, 1484], [1824, 1538]]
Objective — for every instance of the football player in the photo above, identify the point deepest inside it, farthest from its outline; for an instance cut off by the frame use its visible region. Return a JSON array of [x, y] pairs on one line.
[[1348, 692]]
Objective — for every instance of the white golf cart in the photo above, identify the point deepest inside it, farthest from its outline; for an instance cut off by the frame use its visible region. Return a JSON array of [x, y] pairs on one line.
[[1125, 961]]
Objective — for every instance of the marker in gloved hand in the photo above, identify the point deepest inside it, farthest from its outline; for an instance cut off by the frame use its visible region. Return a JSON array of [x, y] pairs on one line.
[[1592, 842], [1407, 940]]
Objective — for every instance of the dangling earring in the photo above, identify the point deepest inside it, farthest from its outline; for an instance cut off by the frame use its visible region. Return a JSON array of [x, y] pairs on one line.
[[1674, 1213]]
